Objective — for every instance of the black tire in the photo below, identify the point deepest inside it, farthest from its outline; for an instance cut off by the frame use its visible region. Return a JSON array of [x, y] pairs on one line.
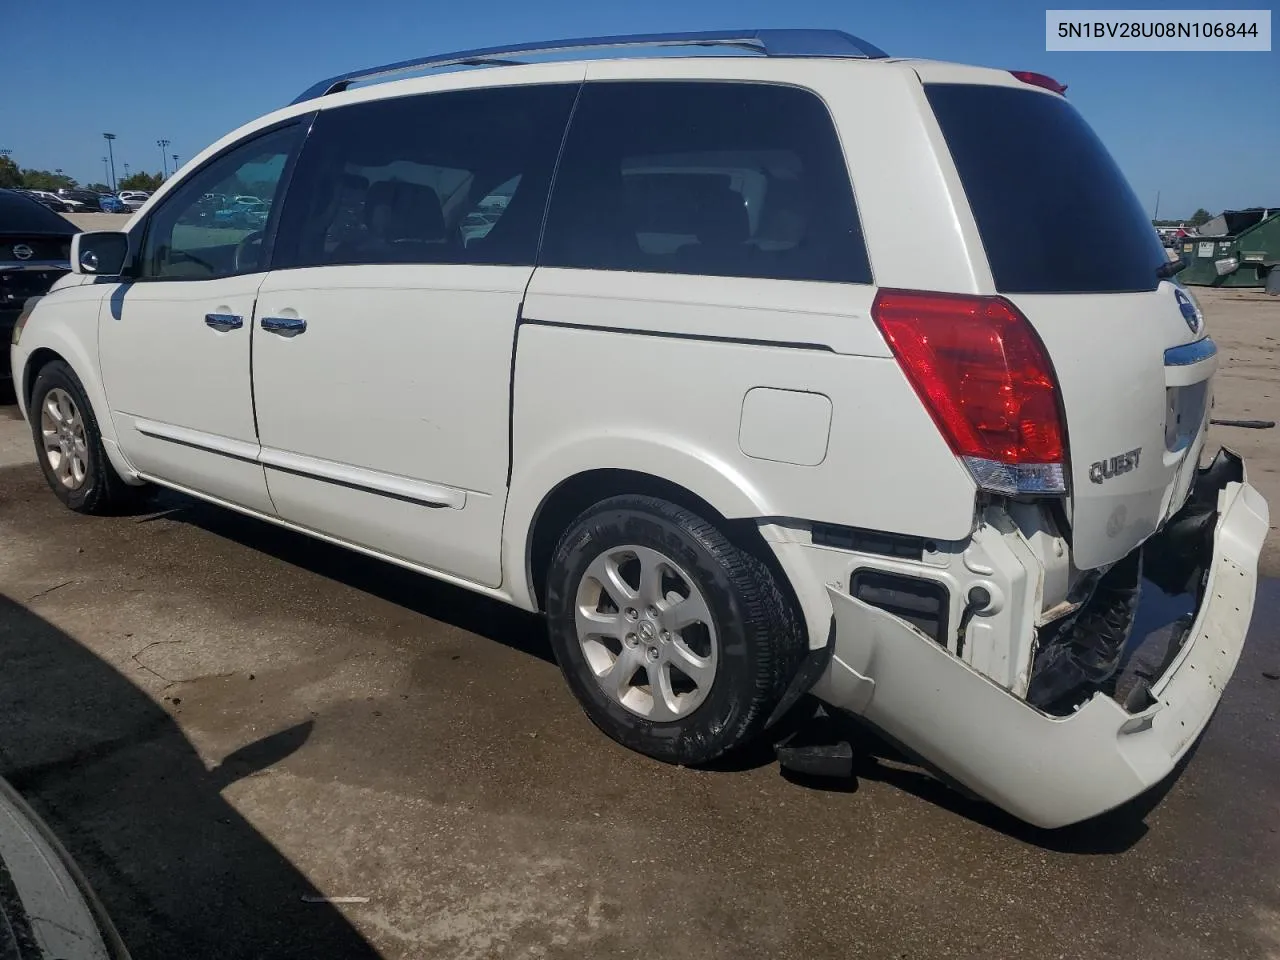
[[760, 639], [103, 491]]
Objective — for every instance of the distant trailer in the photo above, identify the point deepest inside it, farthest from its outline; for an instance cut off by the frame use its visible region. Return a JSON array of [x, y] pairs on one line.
[[1244, 255]]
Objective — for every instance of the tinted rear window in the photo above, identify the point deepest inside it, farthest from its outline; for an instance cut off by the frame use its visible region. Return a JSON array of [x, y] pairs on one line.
[[1055, 213]]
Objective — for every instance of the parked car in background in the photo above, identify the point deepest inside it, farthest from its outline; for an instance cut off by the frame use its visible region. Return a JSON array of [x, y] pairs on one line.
[[35, 247], [75, 205], [700, 395], [50, 200], [242, 211], [88, 200], [133, 199], [110, 203]]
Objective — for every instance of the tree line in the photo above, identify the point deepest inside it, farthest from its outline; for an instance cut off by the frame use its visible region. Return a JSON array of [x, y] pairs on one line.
[[1198, 218], [14, 177]]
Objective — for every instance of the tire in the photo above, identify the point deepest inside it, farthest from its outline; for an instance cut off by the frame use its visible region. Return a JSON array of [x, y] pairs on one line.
[[96, 488], [741, 653]]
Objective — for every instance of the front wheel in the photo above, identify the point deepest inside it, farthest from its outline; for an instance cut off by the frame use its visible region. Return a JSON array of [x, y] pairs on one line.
[[69, 445], [677, 643]]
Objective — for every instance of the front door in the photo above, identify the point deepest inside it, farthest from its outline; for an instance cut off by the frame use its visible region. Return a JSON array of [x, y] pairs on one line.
[[382, 350], [174, 340]]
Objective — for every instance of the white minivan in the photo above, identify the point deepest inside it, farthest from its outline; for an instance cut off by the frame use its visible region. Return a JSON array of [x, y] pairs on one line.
[[765, 377]]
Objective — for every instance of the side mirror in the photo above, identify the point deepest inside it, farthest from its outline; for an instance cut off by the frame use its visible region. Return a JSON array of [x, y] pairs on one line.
[[101, 254]]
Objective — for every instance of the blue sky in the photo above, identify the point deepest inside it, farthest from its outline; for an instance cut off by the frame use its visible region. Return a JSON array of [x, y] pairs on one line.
[[1198, 127]]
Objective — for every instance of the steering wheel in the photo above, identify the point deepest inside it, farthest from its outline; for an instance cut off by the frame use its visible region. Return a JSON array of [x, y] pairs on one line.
[[240, 257]]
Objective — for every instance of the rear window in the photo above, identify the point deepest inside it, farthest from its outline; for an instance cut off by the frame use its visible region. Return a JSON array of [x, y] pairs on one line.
[[1055, 213]]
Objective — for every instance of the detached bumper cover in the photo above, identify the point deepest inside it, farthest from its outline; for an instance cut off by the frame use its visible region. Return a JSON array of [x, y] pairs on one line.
[[1052, 771]]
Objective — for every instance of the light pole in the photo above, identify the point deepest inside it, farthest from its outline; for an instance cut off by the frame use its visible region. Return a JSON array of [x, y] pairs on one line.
[[106, 174], [175, 163], [164, 170], [111, 158], [5, 151], [126, 171]]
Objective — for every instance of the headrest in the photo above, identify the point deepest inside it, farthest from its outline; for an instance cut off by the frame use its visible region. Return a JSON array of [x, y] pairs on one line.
[[398, 210]]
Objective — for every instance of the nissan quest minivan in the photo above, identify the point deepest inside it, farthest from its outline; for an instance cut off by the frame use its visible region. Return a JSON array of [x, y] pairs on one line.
[[764, 376]]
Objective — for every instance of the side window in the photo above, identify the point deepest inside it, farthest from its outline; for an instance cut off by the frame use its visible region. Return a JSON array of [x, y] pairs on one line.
[[720, 179], [455, 177], [213, 224]]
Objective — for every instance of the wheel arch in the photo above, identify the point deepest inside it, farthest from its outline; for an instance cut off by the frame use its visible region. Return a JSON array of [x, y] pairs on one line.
[[53, 345], [40, 358], [543, 501]]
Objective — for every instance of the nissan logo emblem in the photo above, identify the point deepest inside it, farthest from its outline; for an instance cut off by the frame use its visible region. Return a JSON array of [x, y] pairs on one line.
[[22, 251], [1190, 312]]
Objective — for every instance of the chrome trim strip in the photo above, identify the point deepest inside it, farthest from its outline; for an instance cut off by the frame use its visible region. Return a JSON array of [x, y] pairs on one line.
[[373, 481], [212, 442], [1190, 353]]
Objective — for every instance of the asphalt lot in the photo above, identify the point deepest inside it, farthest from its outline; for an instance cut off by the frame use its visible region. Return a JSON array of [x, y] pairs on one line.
[[222, 719]]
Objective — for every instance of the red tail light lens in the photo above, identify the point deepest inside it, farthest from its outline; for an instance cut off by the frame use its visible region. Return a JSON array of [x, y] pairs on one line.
[[986, 380], [1040, 80]]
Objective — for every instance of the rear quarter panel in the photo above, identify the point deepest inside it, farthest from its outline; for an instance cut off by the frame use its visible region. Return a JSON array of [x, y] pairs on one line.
[[672, 407]]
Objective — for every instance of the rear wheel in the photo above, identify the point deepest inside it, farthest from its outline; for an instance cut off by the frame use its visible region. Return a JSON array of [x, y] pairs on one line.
[[69, 445], [678, 643]]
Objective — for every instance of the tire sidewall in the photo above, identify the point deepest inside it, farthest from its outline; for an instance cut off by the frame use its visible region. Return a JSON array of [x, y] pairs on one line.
[[60, 375], [719, 722]]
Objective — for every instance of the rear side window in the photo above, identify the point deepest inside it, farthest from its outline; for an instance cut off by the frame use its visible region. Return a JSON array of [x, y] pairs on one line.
[[1055, 213], [719, 179], [455, 177]]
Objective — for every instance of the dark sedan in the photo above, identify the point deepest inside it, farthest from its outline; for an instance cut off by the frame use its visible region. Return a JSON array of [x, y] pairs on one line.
[[35, 250], [88, 200]]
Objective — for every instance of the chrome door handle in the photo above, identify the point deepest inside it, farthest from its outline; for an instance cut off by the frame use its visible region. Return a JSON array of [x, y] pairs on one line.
[[222, 322], [284, 326]]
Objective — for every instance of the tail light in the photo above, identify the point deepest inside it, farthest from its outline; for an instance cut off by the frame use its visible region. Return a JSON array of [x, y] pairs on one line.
[[986, 381]]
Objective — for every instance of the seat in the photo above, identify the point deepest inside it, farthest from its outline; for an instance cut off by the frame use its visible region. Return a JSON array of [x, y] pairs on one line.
[[717, 216], [403, 224]]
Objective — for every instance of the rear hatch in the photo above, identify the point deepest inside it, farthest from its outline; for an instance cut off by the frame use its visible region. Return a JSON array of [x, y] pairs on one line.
[[1071, 247]]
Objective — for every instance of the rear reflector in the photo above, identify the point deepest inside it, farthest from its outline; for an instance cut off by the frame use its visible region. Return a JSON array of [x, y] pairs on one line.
[[986, 381], [1040, 80]]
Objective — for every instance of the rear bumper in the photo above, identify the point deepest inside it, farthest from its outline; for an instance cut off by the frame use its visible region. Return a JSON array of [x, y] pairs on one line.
[[1052, 771]]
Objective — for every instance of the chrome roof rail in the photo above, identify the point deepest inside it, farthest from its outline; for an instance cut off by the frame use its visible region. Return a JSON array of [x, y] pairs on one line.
[[770, 43]]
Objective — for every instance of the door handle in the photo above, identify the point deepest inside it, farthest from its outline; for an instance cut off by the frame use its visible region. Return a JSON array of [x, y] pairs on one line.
[[284, 326], [222, 322]]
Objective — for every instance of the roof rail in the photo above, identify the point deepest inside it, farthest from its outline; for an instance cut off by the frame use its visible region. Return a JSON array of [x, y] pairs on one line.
[[771, 43]]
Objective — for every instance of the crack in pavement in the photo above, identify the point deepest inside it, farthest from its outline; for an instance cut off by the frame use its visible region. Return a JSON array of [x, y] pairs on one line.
[[49, 590], [170, 681]]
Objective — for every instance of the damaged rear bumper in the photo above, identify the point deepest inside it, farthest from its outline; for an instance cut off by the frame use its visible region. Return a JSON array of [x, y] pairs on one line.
[[1053, 771]]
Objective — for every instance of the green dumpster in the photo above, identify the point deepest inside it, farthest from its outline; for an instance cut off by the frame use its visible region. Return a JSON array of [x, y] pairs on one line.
[[1242, 256]]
